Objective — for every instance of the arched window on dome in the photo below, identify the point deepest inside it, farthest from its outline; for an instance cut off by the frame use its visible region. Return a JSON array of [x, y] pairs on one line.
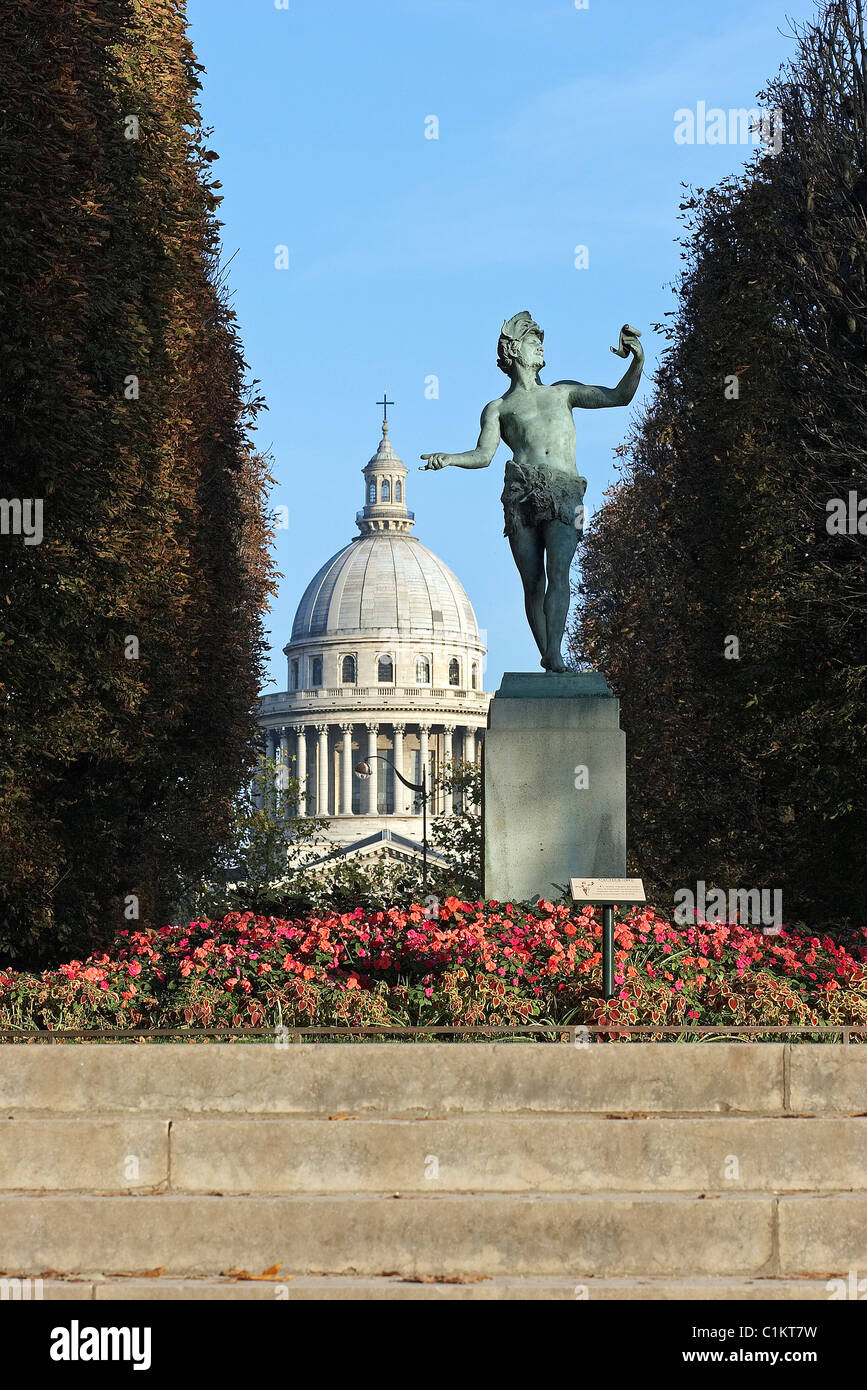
[[422, 671], [315, 670], [397, 493], [348, 673], [385, 491], [454, 671], [475, 675], [371, 491], [294, 675], [385, 670]]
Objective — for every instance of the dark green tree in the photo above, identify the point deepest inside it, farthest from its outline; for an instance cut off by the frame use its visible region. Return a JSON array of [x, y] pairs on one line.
[[712, 594], [130, 639]]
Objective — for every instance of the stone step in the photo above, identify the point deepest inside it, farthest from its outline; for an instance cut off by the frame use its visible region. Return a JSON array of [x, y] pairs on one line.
[[391, 1079], [480, 1153], [487, 1288], [568, 1236], [425, 1078], [490, 1153]]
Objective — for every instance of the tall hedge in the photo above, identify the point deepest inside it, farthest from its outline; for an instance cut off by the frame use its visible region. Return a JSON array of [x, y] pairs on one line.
[[130, 638], [746, 762]]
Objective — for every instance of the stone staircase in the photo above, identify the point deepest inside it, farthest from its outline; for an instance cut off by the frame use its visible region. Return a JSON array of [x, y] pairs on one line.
[[429, 1170]]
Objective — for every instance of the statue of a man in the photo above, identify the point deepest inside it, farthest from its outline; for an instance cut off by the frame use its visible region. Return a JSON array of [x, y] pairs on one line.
[[543, 493]]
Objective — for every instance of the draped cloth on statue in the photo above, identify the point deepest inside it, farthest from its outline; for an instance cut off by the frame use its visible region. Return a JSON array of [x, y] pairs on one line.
[[533, 494]]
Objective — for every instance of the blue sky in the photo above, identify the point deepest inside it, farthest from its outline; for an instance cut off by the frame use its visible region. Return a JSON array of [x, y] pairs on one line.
[[555, 130]]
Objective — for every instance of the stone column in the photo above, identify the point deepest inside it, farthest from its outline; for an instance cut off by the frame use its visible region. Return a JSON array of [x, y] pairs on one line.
[[423, 736], [373, 779], [469, 745], [273, 742], [300, 731], [322, 771], [257, 787], [448, 796], [346, 768], [400, 791]]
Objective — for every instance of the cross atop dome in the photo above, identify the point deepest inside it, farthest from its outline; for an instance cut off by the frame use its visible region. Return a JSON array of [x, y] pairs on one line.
[[385, 403], [384, 487]]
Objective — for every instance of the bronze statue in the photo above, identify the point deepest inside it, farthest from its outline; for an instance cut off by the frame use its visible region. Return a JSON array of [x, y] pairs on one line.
[[543, 493]]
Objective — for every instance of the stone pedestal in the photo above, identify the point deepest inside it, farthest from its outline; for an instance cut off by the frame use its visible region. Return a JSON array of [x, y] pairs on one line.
[[554, 803]]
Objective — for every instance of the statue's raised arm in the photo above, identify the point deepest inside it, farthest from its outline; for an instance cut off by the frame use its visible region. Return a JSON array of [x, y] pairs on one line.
[[598, 397]]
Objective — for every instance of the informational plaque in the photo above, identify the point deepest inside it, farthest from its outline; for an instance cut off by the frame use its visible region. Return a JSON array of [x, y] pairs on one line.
[[599, 892]]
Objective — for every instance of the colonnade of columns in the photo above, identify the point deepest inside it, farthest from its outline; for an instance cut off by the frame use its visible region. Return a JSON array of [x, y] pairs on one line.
[[324, 764]]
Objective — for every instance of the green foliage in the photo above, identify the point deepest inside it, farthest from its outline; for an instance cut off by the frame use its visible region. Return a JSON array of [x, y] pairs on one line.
[[343, 885], [267, 863], [268, 843], [459, 837], [117, 775], [750, 771]]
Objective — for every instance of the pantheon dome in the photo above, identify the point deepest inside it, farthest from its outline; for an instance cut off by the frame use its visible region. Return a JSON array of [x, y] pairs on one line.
[[385, 664]]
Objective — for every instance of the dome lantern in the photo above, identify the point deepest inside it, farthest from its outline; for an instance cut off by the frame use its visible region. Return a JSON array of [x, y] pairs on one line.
[[385, 506]]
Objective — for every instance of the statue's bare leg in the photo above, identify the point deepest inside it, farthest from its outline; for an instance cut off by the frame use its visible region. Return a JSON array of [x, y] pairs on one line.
[[529, 553], [561, 542]]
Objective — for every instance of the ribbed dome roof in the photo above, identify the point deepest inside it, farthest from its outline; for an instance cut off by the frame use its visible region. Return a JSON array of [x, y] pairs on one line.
[[385, 580]]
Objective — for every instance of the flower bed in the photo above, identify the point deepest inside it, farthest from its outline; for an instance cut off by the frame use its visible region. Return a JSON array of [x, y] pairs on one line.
[[474, 964]]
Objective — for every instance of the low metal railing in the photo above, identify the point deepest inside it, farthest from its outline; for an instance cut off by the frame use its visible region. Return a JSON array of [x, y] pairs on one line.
[[565, 1033]]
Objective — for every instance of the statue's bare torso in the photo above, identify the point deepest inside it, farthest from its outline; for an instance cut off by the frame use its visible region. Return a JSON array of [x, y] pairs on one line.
[[537, 425]]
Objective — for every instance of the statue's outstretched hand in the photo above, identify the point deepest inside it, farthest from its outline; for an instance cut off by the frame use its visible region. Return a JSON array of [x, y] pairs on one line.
[[434, 461], [628, 342]]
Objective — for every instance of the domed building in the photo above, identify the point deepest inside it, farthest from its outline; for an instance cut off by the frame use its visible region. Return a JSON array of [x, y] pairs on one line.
[[385, 665]]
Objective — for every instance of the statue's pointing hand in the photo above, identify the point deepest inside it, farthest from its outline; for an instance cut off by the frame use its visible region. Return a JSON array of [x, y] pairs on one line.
[[628, 342], [434, 461]]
